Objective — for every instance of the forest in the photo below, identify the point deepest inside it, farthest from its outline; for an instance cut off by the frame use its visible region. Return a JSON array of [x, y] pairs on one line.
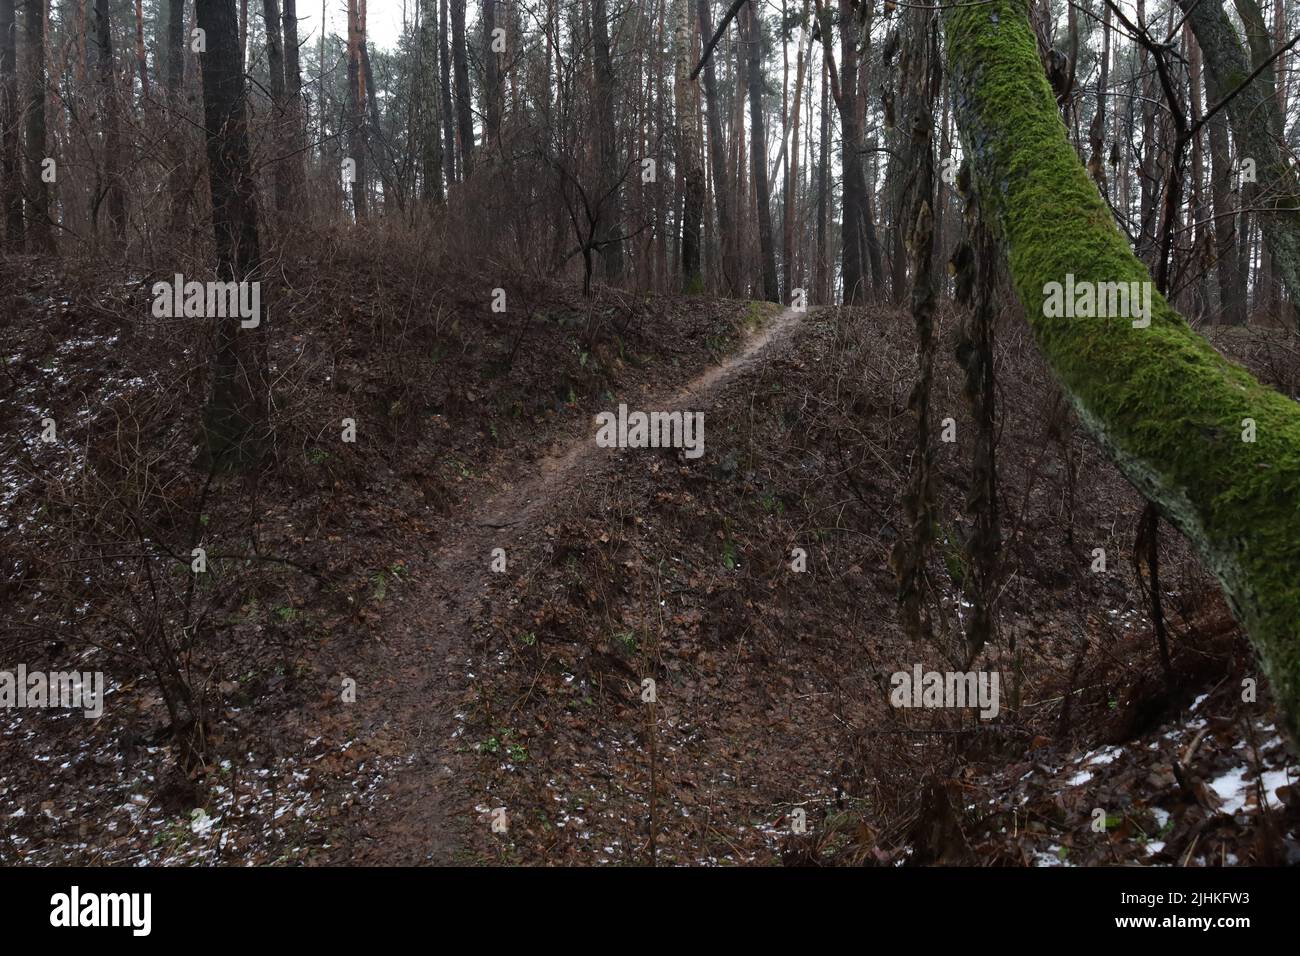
[[840, 433]]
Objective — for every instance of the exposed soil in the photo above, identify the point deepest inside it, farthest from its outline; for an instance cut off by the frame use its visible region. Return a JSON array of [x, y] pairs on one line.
[[423, 817]]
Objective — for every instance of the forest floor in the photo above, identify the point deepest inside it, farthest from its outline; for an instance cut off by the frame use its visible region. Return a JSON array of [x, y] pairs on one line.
[[369, 565]]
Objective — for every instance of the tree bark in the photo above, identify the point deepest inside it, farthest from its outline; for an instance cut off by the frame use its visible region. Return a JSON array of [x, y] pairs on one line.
[[295, 117], [610, 225], [10, 127], [1166, 408], [491, 76], [844, 90], [430, 131], [356, 112], [688, 151], [141, 61], [718, 160], [174, 82], [1260, 48], [1254, 118], [38, 200], [111, 186], [448, 115], [237, 405], [792, 175], [279, 104], [822, 272], [1231, 280], [758, 154], [464, 114]]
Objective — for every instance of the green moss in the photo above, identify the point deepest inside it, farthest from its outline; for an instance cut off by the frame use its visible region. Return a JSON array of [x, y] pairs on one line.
[[1162, 402], [756, 313]]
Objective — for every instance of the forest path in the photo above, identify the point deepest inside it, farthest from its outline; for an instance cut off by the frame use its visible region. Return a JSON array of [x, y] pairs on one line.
[[429, 642]]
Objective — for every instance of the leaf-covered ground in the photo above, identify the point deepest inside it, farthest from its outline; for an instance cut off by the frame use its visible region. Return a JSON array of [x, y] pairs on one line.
[[772, 685], [309, 557], [522, 691]]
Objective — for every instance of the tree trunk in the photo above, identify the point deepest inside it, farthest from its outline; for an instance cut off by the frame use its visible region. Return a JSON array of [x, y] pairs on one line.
[[1260, 47], [1166, 408], [688, 150], [912, 84], [1231, 280], [141, 61], [610, 225], [174, 78], [822, 280], [430, 131], [1255, 121], [1148, 175], [718, 160], [279, 105], [792, 175], [237, 405], [295, 117], [174, 81], [464, 114], [38, 201], [448, 115], [491, 76], [758, 153], [10, 127], [844, 89], [356, 112], [739, 84], [1097, 132], [1200, 208], [111, 186], [375, 129]]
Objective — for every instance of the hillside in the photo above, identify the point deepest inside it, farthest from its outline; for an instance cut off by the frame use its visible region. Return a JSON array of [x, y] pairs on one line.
[[233, 732]]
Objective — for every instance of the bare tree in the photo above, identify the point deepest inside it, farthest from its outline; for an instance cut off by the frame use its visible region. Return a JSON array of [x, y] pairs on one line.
[[610, 224], [10, 126], [722, 194], [464, 113], [690, 175], [357, 148], [237, 407], [753, 25], [110, 184], [39, 230], [279, 103]]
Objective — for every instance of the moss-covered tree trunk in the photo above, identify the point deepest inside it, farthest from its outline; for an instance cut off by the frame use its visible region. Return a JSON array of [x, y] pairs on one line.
[[1166, 408]]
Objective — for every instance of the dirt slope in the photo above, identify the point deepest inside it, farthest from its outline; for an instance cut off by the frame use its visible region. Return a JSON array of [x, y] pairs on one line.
[[425, 812]]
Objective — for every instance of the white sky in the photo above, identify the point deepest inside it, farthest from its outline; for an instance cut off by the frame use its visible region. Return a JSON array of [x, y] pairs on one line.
[[383, 20]]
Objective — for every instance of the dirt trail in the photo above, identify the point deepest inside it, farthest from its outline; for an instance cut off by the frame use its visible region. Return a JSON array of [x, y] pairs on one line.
[[429, 642]]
